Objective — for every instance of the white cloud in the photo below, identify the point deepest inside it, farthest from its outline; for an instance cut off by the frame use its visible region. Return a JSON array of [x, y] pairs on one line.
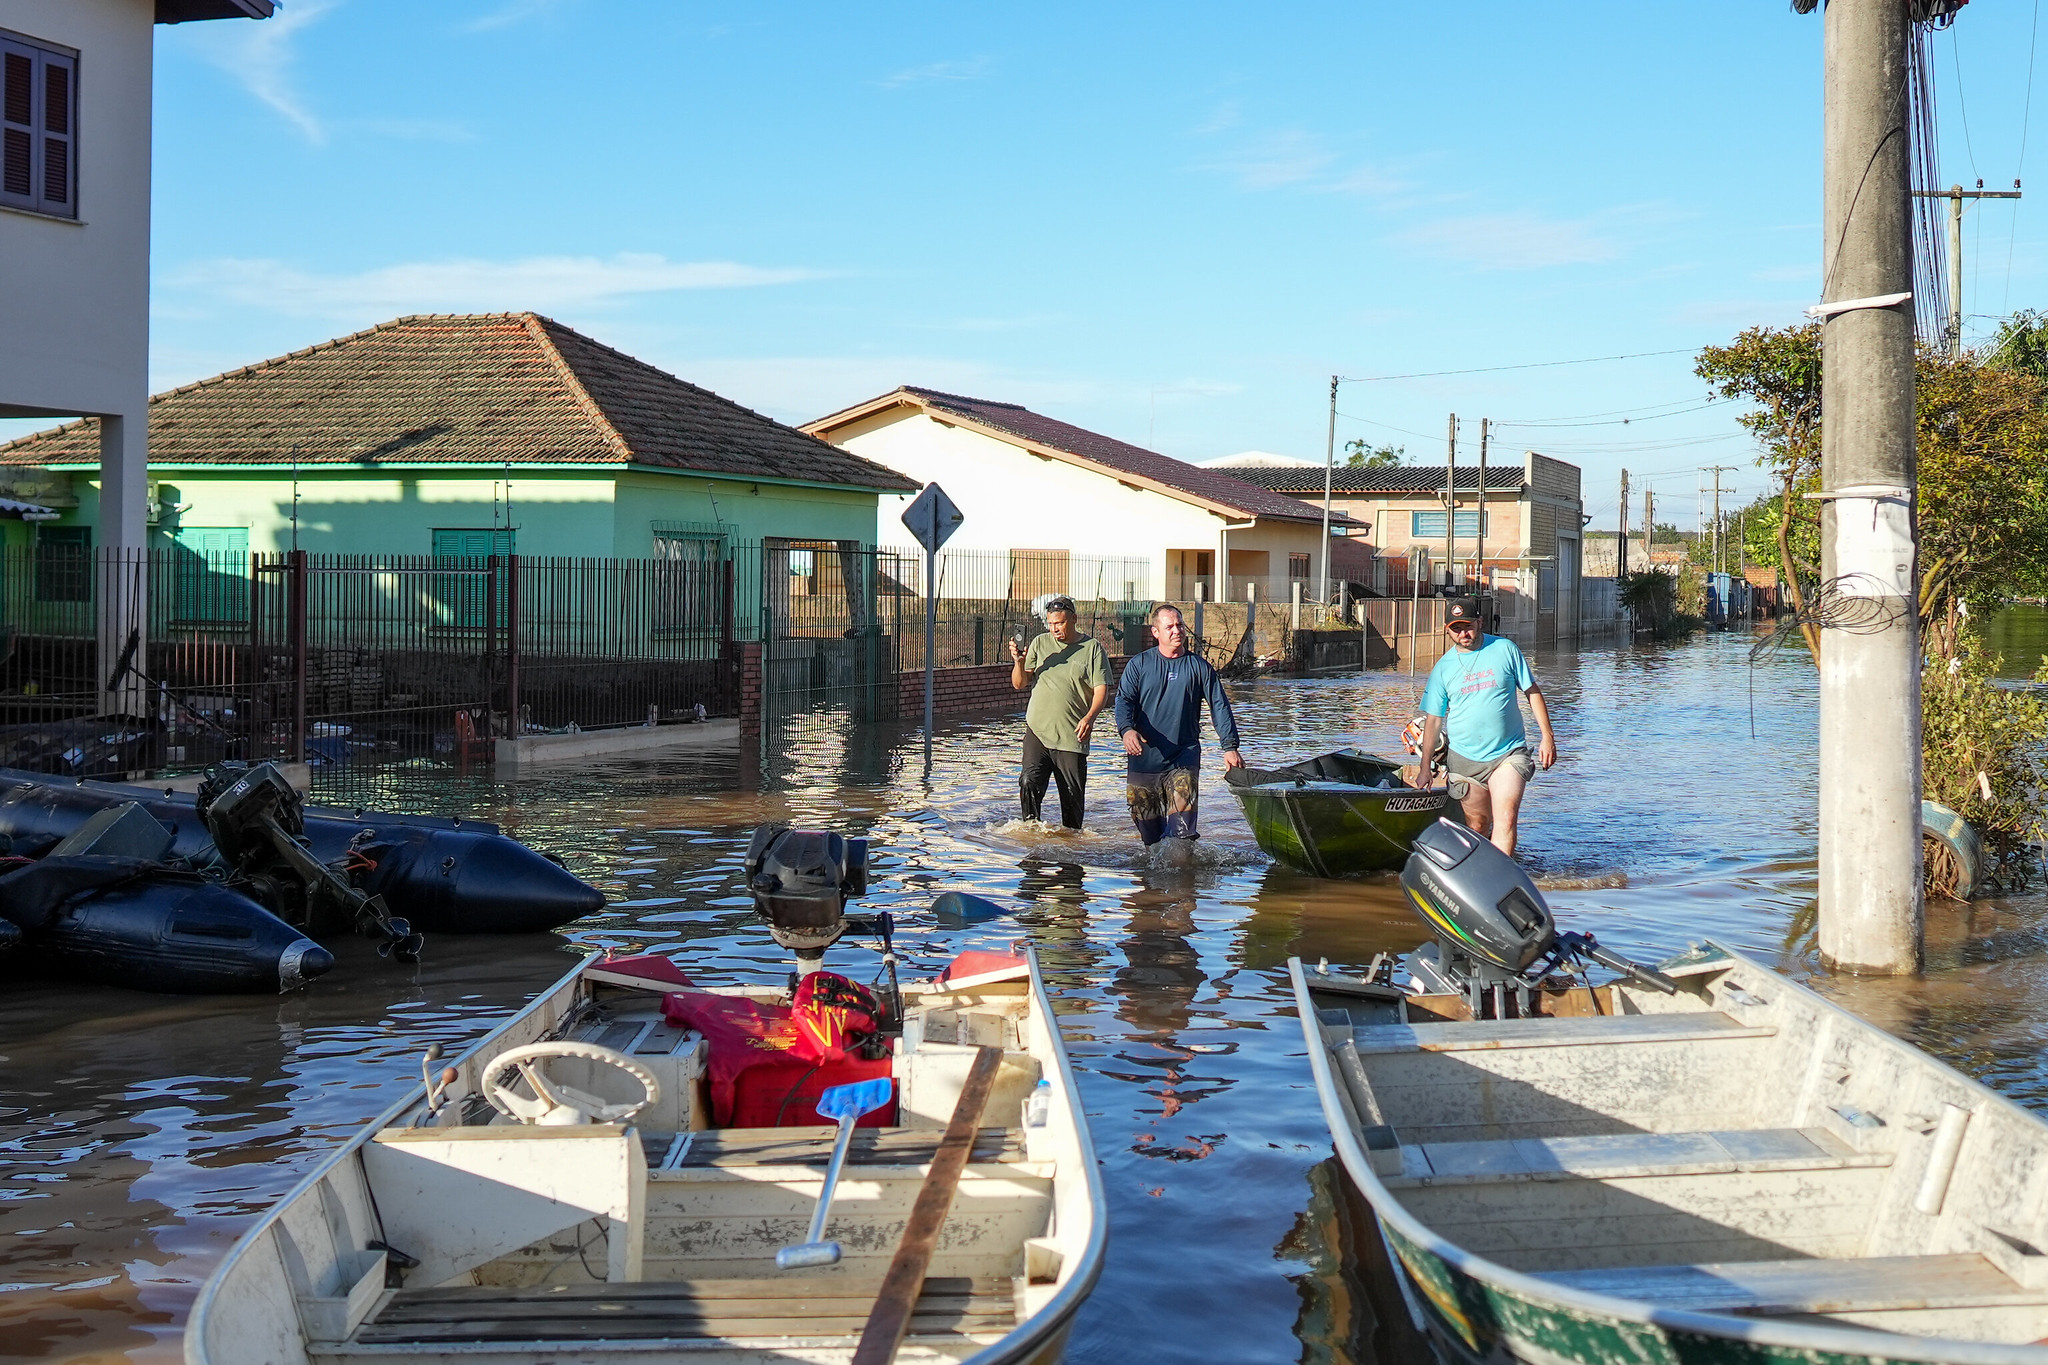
[[517, 11], [1294, 158], [972, 69], [1511, 241], [261, 57], [539, 282]]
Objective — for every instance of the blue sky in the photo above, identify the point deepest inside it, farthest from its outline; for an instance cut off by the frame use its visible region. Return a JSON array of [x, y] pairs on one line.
[[1168, 223]]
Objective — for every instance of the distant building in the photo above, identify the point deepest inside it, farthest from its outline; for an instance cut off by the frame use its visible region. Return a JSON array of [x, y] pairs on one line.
[[459, 436], [1050, 492], [1529, 520]]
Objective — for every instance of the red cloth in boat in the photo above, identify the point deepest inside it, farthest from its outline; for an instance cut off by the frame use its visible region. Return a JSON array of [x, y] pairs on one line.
[[755, 1080]]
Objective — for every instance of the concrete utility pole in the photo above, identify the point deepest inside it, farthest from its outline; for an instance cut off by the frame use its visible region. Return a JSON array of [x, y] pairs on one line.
[[1329, 473], [1956, 194], [1870, 875], [1649, 526], [1450, 501], [1479, 544], [1720, 541], [1621, 532]]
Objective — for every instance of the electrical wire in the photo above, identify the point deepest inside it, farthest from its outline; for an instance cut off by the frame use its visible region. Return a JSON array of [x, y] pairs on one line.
[[1495, 369], [2019, 173]]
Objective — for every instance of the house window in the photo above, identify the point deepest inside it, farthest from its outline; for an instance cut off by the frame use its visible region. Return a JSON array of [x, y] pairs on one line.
[[689, 581], [38, 122], [64, 564], [464, 590], [211, 572], [1430, 525], [1297, 568]]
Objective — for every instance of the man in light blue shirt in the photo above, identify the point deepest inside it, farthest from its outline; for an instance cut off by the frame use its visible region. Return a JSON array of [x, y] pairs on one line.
[[1471, 696]]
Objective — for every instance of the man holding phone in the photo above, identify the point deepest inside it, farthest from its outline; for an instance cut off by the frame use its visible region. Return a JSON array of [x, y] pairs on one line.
[[1068, 675]]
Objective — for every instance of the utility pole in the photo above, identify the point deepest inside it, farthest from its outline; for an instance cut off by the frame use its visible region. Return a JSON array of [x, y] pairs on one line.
[[1329, 473], [1720, 541], [1479, 544], [1870, 912], [1956, 194], [1649, 526], [1450, 501], [1621, 532]]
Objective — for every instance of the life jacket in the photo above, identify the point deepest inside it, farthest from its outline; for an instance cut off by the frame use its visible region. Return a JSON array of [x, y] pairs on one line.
[[835, 1019]]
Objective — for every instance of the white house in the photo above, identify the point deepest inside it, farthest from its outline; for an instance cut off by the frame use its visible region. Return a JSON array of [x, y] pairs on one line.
[[1052, 494], [75, 90]]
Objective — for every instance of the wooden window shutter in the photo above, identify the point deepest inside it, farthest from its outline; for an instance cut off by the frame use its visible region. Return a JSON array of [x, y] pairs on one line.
[[17, 125], [58, 116], [38, 128]]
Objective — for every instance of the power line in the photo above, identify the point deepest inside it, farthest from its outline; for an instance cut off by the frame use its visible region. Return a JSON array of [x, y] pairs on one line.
[[1608, 422], [2026, 120], [1532, 365]]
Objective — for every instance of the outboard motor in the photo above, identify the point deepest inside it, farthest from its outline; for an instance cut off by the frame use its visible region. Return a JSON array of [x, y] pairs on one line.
[[1496, 941], [801, 880], [258, 823]]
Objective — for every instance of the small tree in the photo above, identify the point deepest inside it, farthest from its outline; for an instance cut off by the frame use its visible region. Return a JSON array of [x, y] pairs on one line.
[[1777, 371], [1362, 454]]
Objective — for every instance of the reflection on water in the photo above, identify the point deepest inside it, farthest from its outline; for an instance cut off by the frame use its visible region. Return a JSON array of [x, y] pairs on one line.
[[2018, 635], [138, 1135]]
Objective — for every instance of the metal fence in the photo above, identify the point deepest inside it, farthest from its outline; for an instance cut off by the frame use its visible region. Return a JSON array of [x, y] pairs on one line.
[[354, 661]]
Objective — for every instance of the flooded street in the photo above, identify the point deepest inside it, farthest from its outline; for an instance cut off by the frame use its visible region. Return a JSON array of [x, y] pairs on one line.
[[139, 1134]]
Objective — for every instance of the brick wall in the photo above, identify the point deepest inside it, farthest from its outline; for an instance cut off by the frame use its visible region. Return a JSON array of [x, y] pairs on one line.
[[959, 691], [747, 656]]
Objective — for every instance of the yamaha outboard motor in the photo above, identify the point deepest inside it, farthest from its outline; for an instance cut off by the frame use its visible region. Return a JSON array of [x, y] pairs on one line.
[[1496, 941]]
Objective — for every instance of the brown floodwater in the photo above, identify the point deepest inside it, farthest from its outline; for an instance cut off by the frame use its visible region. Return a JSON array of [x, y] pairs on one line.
[[140, 1134]]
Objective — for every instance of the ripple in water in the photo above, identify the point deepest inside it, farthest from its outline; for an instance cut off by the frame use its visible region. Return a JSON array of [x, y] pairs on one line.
[[140, 1134]]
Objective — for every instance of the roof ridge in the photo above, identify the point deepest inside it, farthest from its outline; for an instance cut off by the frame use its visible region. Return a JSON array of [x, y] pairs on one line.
[[970, 398], [537, 327]]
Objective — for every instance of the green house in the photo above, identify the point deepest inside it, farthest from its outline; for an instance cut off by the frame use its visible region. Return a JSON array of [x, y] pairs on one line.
[[450, 436]]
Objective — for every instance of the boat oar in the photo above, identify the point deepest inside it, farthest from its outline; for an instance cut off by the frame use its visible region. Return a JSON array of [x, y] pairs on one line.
[[845, 1103], [889, 1321]]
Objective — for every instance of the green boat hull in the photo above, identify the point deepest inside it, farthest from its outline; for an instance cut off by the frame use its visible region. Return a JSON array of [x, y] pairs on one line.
[[1320, 816]]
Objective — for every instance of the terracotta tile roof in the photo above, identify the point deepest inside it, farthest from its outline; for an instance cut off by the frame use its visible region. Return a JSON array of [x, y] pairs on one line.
[[1205, 485], [1421, 478], [478, 389]]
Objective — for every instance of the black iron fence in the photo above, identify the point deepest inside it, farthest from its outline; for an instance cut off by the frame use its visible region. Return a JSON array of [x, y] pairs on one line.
[[119, 661]]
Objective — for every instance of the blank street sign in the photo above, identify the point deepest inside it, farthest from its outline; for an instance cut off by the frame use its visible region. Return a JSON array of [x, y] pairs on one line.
[[932, 518]]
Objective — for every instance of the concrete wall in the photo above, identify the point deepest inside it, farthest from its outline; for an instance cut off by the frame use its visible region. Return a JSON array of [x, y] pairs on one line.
[[74, 313], [582, 514]]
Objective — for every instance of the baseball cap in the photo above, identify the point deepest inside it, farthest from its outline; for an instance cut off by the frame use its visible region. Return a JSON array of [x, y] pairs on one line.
[[1461, 609]]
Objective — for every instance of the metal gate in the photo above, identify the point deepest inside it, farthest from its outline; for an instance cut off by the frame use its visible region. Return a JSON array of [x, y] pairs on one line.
[[831, 626]]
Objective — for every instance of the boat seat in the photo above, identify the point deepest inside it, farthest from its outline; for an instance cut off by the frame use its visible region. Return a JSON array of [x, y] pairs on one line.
[[687, 1309], [1626, 1155], [813, 1147], [1472, 1035], [1767, 1288]]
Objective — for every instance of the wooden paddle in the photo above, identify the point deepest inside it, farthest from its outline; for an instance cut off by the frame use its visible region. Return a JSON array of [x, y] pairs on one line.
[[889, 1320]]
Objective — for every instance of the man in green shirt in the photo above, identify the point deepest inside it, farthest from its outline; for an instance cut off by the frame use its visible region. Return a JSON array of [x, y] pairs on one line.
[[1068, 675]]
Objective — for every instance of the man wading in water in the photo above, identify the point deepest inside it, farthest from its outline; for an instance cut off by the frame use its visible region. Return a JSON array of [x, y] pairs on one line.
[[1158, 713], [1069, 681], [1473, 688]]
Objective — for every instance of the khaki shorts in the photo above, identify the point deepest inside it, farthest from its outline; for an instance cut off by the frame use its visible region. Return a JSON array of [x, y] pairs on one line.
[[1518, 759]]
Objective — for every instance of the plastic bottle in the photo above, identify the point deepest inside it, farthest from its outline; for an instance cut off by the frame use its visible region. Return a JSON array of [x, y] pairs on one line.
[[1038, 1107]]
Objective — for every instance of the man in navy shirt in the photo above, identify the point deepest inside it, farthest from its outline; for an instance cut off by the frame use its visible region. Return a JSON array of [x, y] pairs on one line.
[[1159, 714]]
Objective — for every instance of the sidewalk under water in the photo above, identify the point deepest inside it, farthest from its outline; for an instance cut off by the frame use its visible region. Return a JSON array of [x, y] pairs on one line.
[[142, 1133]]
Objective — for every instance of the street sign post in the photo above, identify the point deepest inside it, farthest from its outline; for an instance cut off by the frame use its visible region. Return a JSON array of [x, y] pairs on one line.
[[932, 519]]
